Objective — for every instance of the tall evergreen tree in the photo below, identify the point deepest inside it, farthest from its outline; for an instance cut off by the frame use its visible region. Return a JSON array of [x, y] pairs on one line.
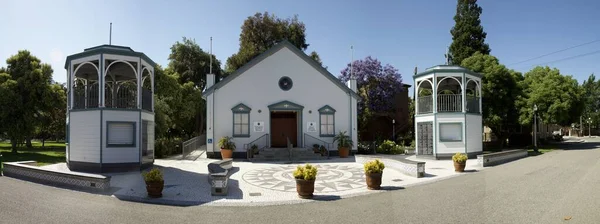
[[468, 36]]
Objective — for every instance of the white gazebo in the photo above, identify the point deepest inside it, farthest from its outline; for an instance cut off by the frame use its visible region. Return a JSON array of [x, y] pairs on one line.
[[448, 112], [110, 110]]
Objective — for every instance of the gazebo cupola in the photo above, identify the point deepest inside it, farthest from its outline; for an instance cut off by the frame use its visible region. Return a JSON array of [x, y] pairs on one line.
[[448, 112], [110, 120]]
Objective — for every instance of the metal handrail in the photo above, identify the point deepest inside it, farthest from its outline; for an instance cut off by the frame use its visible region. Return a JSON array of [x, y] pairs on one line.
[[249, 145], [289, 146], [326, 144], [189, 146]]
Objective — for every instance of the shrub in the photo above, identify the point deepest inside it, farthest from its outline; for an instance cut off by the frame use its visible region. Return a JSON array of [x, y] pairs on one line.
[[164, 147], [374, 166], [459, 157], [398, 149], [316, 146], [306, 172], [226, 143], [154, 175]]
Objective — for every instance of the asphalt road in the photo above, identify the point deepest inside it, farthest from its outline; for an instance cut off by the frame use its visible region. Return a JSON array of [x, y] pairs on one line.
[[539, 189]]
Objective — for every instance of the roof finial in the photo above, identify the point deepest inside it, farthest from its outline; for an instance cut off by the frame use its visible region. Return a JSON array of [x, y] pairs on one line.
[[110, 35], [415, 70], [447, 55]]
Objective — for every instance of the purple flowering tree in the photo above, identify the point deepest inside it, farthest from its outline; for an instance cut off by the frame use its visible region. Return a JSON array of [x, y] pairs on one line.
[[376, 84]]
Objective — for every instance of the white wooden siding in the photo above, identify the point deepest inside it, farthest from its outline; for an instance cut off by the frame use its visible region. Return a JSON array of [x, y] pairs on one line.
[[121, 154], [84, 139], [474, 133]]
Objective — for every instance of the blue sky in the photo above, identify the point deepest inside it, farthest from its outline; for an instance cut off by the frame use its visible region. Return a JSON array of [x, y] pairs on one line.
[[404, 34]]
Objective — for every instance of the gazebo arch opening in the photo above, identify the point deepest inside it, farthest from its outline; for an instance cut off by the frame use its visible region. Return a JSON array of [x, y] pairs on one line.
[[85, 85], [147, 89], [120, 85], [449, 94], [473, 93]]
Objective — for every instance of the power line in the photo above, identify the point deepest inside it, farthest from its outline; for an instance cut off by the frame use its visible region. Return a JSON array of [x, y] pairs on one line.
[[531, 59], [569, 58]]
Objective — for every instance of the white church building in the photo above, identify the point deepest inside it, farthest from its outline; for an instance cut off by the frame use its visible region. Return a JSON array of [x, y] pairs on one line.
[[281, 94]]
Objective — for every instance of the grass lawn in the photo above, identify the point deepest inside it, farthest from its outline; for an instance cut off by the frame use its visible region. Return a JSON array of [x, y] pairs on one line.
[[541, 150], [53, 152]]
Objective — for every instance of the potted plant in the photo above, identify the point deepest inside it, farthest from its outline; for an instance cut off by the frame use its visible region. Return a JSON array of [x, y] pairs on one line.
[[154, 183], [254, 149], [344, 144], [227, 146], [460, 161], [373, 173], [323, 150], [316, 148], [305, 180]]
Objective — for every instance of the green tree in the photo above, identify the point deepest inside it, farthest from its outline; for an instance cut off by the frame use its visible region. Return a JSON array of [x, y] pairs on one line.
[[591, 98], [500, 89], [192, 63], [468, 36], [260, 32], [52, 120], [558, 97], [28, 81]]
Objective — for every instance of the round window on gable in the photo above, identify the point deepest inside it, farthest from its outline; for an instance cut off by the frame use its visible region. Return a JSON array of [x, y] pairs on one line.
[[285, 83]]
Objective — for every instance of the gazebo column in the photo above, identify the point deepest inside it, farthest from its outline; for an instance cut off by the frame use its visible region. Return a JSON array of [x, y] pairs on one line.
[[139, 84], [101, 83]]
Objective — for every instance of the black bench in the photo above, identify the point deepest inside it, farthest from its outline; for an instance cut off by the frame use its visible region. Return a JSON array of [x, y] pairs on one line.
[[218, 176]]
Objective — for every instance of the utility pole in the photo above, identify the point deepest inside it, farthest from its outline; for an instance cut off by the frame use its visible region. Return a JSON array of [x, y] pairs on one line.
[[535, 148]]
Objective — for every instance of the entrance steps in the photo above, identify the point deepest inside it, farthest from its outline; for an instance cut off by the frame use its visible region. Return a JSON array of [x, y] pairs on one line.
[[283, 154]]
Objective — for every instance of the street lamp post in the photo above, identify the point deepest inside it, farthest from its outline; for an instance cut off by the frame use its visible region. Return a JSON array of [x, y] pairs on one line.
[[589, 127], [394, 129], [535, 148]]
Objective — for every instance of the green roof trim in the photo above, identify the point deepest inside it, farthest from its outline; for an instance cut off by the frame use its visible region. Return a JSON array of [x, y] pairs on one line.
[[447, 69], [285, 105], [241, 108], [326, 110], [272, 51], [109, 49]]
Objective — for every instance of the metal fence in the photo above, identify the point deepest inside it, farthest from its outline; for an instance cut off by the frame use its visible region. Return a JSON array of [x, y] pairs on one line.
[[425, 104], [146, 99], [191, 145], [449, 103]]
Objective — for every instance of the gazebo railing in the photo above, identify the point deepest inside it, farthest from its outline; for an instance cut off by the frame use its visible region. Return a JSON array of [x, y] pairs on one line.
[[81, 100], [447, 103], [473, 104], [146, 99], [425, 105]]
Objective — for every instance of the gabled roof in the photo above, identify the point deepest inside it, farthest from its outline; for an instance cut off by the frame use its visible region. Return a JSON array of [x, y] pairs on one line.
[[272, 51], [447, 69], [108, 49]]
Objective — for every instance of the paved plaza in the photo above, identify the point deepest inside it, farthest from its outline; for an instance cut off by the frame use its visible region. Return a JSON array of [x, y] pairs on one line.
[[186, 182]]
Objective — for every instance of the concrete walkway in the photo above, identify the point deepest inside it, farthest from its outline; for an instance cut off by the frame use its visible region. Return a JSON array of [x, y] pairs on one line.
[[272, 183]]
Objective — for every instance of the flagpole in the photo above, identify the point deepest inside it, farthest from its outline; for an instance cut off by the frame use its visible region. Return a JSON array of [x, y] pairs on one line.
[[210, 72], [110, 35]]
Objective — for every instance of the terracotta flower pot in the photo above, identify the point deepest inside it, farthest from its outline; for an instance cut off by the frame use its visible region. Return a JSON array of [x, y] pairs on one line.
[[226, 153], [155, 188], [460, 167], [374, 180], [305, 188], [344, 152]]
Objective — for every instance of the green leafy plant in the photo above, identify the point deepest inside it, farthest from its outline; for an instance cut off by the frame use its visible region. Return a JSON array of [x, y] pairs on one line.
[[306, 172], [316, 146], [226, 143], [386, 147], [374, 166], [322, 150], [343, 140], [459, 157], [254, 148], [153, 175]]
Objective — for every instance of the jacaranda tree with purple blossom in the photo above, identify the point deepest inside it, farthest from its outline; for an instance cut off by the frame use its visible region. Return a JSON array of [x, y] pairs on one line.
[[377, 85]]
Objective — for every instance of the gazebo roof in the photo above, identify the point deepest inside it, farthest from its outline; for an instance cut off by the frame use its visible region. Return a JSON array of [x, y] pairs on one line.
[[447, 69], [108, 49]]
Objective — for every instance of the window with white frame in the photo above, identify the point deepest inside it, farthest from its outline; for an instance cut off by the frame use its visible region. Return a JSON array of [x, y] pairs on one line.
[[327, 121], [451, 132], [241, 120], [120, 134]]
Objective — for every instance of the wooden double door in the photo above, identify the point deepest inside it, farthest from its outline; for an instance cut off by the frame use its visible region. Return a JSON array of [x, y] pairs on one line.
[[284, 124]]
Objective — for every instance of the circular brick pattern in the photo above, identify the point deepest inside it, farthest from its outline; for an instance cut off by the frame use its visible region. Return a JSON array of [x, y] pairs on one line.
[[330, 178]]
